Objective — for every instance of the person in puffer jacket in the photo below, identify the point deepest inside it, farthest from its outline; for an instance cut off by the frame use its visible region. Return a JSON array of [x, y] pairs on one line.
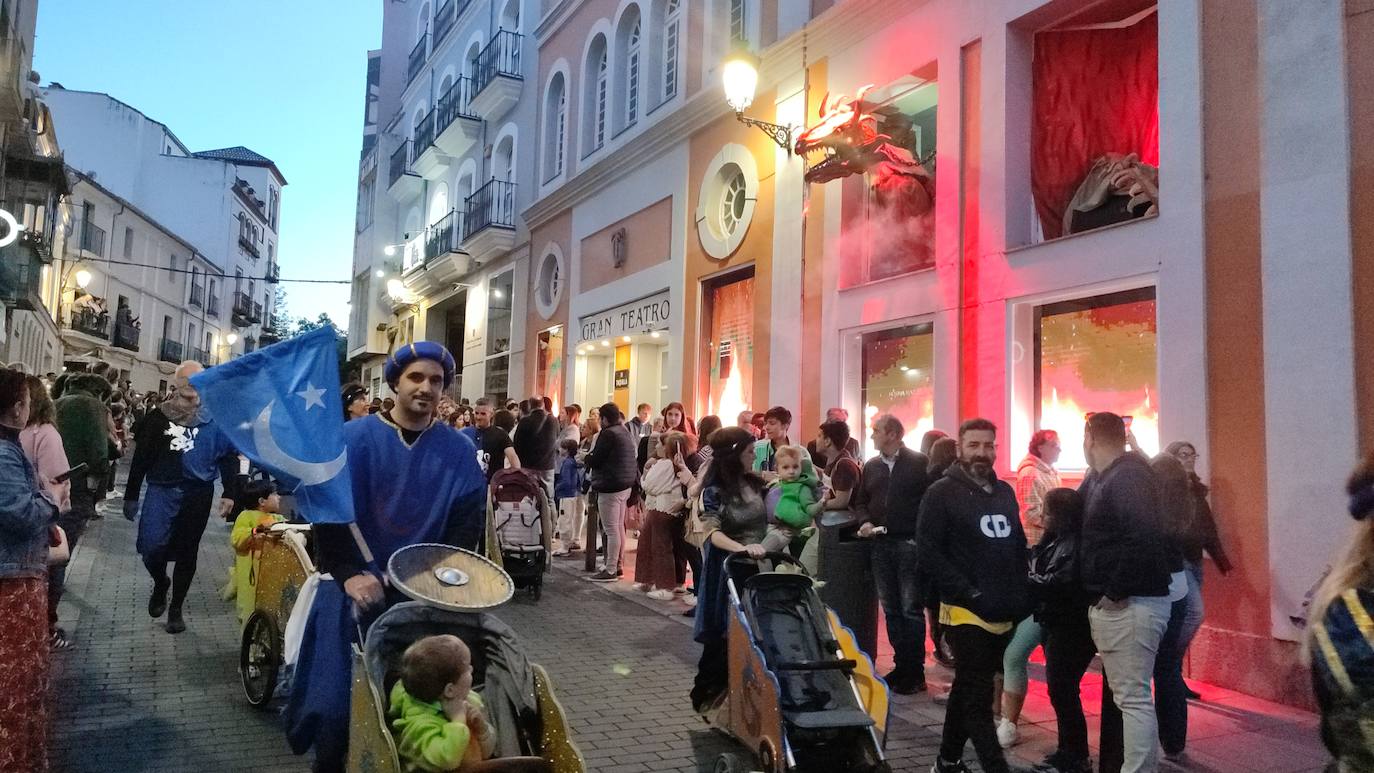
[[1061, 609], [970, 540]]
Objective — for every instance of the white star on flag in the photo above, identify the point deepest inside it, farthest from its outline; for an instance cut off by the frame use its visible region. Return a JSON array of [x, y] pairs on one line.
[[312, 396]]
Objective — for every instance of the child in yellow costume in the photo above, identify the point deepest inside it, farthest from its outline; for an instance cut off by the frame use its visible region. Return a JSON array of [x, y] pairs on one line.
[[261, 506], [439, 722]]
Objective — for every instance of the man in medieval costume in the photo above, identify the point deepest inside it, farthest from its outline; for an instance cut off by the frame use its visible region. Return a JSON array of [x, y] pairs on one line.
[[414, 480]]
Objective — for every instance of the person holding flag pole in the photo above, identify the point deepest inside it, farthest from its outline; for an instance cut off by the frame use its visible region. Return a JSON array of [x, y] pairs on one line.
[[369, 488]]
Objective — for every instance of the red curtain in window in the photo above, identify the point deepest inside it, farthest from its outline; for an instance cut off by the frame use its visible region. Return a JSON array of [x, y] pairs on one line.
[[1095, 91]]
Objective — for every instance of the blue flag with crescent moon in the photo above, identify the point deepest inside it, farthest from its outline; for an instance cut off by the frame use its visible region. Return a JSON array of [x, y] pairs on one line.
[[280, 406]]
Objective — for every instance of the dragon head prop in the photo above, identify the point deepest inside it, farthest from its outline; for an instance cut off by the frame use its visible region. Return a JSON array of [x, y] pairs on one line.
[[847, 134]]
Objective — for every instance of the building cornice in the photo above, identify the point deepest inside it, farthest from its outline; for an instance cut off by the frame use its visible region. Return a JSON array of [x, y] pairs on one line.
[[554, 20], [828, 34]]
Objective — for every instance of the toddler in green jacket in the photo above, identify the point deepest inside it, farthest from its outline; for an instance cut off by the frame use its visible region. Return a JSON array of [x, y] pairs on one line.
[[791, 499], [439, 722]]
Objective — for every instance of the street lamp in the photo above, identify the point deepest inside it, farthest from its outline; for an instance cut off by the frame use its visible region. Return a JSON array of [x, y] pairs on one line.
[[83, 278], [232, 339], [740, 77]]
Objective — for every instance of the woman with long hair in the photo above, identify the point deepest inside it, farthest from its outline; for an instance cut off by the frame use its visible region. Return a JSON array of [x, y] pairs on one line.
[[735, 520], [42, 445], [675, 419], [665, 483], [1340, 653], [26, 513]]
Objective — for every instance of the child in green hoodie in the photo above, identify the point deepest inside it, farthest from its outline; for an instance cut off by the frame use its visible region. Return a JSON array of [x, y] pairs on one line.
[[438, 721], [791, 499]]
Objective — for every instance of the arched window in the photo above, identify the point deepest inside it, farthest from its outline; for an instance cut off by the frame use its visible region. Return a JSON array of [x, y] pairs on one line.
[[555, 127], [438, 204], [510, 16], [503, 161], [596, 96], [672, 20], [632, 75], [470, 61], [422, 22]]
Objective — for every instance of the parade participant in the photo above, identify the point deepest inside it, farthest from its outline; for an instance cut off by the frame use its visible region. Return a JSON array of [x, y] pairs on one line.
[[436, 715], [179, 452], [414, 480], [355, 401], [261, 508]]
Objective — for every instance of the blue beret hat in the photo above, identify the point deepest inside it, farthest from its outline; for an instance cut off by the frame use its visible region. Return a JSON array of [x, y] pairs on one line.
[[397, 362]]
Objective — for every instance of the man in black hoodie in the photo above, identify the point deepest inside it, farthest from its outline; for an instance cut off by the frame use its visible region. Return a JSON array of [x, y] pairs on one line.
[[612, 460], [536, 440], [971, 542], [1126, 566], [889, 497]]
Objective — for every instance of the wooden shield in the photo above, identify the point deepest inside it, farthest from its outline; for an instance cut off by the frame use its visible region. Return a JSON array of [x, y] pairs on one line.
[[449, 577]]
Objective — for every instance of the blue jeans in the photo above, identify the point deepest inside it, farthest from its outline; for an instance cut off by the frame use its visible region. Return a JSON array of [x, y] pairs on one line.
[[1171, 693], [899, 590]]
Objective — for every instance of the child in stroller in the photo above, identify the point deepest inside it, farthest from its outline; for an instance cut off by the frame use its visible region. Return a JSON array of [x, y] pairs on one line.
[[439, 722]]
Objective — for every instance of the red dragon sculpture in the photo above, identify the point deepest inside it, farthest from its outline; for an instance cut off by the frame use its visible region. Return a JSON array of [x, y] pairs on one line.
[[848, 136]]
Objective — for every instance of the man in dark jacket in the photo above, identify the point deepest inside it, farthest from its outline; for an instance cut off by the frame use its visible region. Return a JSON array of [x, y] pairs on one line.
[[972, 544], [613, 462], [536, 440], [889, 497], [1125, 563]]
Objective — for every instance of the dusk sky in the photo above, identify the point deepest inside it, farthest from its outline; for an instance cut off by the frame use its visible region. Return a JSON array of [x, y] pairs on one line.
[[283, 78]]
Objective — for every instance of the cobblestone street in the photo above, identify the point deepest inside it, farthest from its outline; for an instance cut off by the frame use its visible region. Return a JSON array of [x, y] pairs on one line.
[[130, 697]]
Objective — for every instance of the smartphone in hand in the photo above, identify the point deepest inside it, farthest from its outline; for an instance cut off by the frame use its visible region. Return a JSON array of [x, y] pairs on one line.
[[66, 476]]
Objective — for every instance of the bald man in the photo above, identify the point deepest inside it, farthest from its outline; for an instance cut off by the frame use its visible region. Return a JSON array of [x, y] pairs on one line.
[[178, 451]]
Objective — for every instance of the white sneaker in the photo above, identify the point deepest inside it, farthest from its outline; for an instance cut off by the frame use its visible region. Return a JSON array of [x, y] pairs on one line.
[[1007, 733], [641, 586], [661, 595], [689, 600]]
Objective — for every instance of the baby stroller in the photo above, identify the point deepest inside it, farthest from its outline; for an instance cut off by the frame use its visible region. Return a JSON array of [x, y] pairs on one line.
[[518, 508], [803, 696], [530, 725]]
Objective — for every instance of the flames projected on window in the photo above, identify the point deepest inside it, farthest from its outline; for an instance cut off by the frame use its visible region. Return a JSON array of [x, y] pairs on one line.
[[897, 380], [731, 348], [1097, 354]]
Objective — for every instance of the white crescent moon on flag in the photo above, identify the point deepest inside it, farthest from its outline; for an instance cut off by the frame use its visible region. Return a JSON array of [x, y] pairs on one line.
[[308, 473]]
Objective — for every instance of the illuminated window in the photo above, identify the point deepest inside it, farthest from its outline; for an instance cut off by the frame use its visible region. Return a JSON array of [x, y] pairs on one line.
[[897, 379], [729, 314], [1097, 354], [549, 375]]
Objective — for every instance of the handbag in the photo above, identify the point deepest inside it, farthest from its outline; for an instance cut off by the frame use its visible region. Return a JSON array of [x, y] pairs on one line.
[[696, 532], [59, 550]]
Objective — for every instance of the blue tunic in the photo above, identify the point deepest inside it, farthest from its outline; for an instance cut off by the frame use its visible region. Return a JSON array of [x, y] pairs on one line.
[[403, 494]]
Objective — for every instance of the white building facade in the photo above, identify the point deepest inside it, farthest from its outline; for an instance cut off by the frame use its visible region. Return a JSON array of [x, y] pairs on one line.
[[226, 202], [442, 252]]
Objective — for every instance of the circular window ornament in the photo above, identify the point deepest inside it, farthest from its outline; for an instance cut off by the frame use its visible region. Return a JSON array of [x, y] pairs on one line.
[[550, 276], [725, 205]]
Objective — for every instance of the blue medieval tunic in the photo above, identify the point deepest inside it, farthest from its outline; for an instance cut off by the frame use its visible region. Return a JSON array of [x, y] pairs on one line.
[[408, 488]]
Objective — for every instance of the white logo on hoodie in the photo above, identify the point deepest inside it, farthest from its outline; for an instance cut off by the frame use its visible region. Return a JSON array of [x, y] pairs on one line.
[[995, 526]]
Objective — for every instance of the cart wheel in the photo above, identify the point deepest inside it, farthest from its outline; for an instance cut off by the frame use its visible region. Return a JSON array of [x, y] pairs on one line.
[[729, 762], [259, 658]]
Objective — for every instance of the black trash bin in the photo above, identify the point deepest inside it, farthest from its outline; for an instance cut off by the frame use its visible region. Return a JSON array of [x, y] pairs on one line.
[[848, 575]]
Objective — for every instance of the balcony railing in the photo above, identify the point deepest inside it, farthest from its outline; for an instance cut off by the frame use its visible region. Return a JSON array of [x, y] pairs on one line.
[[91, 322], [417, 58], [500, 57], [400, 161], [444, 19], [454, 104], [273, 273], [201, 356], [243, 310], [424, 133], [197, 295], [92, 238], [257, 312], [443, 236], [492, 205], [169, 351], [126, 335], [248, 246]]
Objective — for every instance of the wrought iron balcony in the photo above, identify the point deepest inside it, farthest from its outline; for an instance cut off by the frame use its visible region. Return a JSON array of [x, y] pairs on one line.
[[92, 238], [444, 19], [443, 236], [400, 160], [91, 322], [257, 313], [201, 356], [243, 310], [424, 132], [169, 351], [455, 103], [491, 206], [126, 335], [197, 295], [248, 246], [501, 58], [418, 54]]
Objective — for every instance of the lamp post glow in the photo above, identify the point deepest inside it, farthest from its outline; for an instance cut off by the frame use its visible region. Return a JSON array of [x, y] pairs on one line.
[[231, 339], [389, 250], [740, 76], [83, 278]]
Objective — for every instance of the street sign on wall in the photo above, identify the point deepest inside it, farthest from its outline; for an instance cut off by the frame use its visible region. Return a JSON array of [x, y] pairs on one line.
[[641, 316]]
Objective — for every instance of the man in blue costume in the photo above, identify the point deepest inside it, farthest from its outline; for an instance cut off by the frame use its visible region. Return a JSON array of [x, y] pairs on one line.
[[414, 480]]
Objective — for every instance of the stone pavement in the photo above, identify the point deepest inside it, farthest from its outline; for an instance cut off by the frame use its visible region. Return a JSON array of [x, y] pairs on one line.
[[130, 697]]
